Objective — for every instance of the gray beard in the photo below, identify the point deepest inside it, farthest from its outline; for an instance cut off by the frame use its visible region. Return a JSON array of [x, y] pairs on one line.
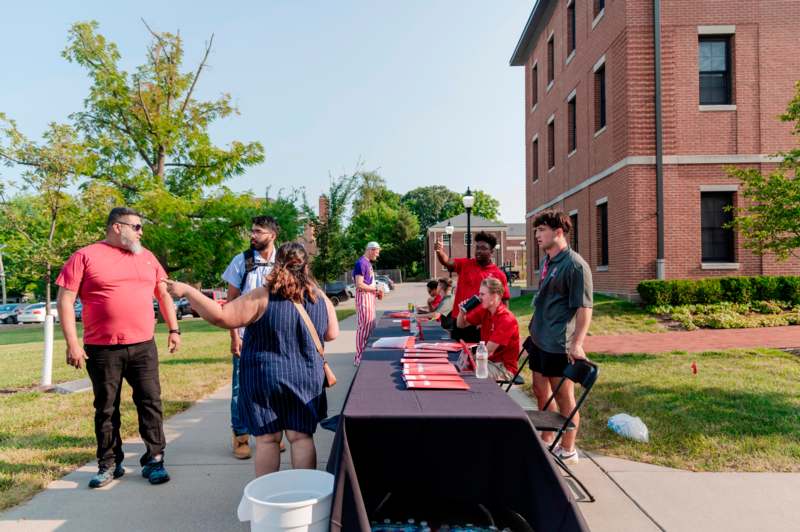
[[131, 245]]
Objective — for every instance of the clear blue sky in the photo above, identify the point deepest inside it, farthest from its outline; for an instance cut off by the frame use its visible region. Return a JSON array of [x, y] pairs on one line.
[[420, 90]]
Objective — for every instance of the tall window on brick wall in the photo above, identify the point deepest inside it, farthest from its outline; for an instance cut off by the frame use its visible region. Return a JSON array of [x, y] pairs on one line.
[[572, 125], [534, 85], [551, 144], [446, 239], [717, 240], [537, 258], [571, 28], [602, 234], [551, 60], [600, 98], [715, 70], [535, 159], [599, 5], [573, 236]]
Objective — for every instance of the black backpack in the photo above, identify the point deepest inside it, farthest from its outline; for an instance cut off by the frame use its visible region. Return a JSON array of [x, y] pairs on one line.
[[250, 265]]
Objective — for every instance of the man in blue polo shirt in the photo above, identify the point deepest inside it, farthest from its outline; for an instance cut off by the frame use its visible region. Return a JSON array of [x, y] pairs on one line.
[[563, 312]]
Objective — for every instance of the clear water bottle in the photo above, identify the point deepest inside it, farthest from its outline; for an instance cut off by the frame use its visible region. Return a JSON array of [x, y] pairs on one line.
[[482, 361], [412, 329]]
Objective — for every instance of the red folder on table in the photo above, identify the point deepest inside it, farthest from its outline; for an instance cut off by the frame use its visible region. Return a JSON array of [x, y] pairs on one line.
[[401, 314], [422, 369], [433, 377], [439, 346], [425, 354], [408, 361], [437, 385]]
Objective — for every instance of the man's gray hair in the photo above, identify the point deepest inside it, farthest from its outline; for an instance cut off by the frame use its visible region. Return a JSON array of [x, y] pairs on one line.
[[117, 213]]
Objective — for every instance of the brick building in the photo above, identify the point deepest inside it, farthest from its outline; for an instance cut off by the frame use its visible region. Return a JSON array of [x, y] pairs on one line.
[[510, 242], [607, 118]]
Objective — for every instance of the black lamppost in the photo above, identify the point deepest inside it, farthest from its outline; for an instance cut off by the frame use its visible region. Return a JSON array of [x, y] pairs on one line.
[[449, 230], [469, 200]]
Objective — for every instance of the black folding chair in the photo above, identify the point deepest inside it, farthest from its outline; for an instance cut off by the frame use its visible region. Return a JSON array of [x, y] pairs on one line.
[[581, 372], [527, 348]]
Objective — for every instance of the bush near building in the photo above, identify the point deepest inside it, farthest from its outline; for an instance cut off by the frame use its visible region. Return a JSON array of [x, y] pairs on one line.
[[720, 290]]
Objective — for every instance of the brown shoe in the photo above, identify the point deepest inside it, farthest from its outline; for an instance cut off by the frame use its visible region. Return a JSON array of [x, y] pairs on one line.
[[241, 446]]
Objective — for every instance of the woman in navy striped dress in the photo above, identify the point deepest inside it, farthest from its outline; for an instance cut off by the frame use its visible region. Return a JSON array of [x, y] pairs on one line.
[[281, 374]]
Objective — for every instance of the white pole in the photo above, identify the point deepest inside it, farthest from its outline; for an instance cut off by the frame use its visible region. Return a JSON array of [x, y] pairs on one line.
[[47, 356]]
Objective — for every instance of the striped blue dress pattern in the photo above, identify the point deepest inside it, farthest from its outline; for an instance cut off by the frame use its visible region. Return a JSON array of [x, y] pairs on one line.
[[281, 374]]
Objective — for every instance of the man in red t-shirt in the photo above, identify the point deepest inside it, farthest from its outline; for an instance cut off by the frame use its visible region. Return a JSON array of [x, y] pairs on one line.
[[116, 280], [498, 328], [471, 272]]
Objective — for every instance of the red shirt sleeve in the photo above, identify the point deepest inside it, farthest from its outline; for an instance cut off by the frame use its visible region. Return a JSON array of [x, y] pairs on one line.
[[504, 327], [476, 315], [71, 274], [160, 274]]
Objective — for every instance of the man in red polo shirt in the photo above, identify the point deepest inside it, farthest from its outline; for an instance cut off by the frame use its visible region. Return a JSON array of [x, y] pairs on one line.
[[471, 272], [116, 280], [498, 328]]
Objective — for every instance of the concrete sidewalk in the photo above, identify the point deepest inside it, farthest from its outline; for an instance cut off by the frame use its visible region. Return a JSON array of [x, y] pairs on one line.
[[207, 482]]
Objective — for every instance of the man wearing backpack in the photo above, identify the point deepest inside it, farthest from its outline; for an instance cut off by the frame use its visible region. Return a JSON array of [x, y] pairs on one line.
[[248, 271]]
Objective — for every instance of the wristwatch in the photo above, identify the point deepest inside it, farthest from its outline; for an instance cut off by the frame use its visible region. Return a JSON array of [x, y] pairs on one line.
[[175, 331]]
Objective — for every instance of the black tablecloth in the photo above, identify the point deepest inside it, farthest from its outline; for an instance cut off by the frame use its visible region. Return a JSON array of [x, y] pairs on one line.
[[449, 448]]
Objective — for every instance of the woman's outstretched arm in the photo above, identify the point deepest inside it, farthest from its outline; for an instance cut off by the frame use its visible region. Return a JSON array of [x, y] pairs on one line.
[[240, 312]]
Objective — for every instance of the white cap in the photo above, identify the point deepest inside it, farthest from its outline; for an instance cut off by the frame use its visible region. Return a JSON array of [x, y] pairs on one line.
[[373, 245]]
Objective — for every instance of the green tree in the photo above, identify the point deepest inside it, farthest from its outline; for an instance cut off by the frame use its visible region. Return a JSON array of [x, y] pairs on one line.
[[47, 224], [333, 253], [432, 204], [393, 228], [148, 136], [372, 191], [486, 206], [146, 129], [770, 221]]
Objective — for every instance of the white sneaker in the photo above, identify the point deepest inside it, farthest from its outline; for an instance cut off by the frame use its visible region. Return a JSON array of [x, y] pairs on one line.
[[568, 457]]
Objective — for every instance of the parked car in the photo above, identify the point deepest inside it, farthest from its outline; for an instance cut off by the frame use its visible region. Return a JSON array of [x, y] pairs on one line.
[[78, 311], [336, 292], [386, 279], [383, 287], [21, 308], [180, 307], [35, 313], [8, 313], [220, 296]]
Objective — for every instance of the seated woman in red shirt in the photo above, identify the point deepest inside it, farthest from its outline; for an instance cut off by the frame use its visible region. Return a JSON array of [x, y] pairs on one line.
[[498, 328]]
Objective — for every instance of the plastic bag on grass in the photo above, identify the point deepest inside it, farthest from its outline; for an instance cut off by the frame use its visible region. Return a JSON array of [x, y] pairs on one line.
[[628, 426]]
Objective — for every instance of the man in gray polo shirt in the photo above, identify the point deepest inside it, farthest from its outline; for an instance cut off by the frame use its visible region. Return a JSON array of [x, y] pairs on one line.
[[562, 314]]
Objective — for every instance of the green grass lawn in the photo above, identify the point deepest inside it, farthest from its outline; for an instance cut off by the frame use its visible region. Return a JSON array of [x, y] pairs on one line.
[[344, 313], [610, 316], [741, 412]]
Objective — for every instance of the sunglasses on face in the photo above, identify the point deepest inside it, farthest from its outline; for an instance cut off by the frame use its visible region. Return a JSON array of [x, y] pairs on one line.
[[135, 227]]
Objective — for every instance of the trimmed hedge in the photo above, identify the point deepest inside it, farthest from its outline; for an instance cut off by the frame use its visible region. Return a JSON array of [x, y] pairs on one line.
[[720, 289]]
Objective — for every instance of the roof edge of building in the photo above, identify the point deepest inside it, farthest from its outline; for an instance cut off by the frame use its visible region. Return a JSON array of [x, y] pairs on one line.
[[519, 57]]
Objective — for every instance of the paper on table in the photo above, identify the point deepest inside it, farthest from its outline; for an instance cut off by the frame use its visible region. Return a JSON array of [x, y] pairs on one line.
[[425, 360], [393, 342]]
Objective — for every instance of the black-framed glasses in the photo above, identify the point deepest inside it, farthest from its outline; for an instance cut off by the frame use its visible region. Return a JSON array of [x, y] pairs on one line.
[[135, 227]]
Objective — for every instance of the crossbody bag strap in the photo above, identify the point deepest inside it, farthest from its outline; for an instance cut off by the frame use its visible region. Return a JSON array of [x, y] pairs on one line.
[[310, 326]]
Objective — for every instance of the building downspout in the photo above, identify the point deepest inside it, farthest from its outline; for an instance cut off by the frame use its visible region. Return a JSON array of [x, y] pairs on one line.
[[660, 262]]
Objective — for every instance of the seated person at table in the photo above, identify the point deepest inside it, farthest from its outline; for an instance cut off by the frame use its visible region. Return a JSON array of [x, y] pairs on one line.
[[434, 298], [498, 328], [441, 311], [470, 274]]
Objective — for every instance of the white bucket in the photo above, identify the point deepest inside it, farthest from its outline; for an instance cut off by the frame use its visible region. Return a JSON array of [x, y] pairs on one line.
[[295, 500]]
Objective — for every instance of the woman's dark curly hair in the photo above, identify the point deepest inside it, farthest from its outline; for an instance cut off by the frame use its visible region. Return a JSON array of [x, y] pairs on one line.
[[290, 278]]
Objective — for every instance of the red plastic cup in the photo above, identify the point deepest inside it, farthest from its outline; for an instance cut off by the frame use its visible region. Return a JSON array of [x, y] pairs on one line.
[[405, 324]]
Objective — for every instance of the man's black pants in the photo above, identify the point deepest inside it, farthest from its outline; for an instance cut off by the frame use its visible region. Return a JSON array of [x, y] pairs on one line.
[[138, 364]]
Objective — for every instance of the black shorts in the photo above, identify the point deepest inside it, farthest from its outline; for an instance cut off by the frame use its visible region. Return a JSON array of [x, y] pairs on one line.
[[548, 364]]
